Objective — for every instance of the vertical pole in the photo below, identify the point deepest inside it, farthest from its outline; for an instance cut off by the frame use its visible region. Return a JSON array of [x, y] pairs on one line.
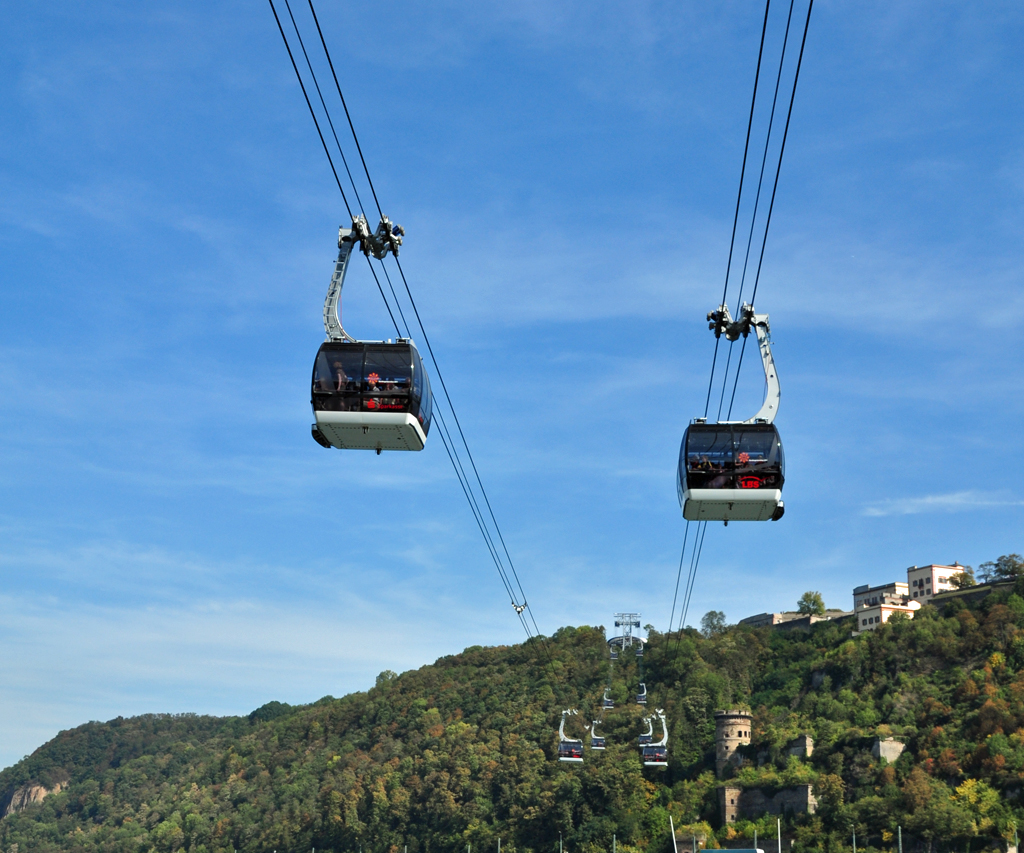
[[1016, 843], [559, 842], [755, 838], [499, 844], [613, 843], [672, 826], [899, 835], [778, 827], [693, 843], [855, 841]]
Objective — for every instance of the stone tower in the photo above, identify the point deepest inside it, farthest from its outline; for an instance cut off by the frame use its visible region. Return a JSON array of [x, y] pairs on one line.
[[732, 730]]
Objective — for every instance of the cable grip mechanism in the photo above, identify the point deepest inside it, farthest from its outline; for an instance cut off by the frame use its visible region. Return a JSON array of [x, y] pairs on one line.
[[387, 237], [721, 323]]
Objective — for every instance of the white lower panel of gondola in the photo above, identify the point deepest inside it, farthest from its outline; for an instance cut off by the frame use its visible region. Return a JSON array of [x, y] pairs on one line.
[[371, 430], [730, 504]]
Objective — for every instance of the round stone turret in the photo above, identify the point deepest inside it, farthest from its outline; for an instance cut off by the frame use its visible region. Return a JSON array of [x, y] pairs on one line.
[[732, 730]]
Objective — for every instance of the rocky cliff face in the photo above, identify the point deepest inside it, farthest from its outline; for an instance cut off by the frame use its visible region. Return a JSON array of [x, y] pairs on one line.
[[26, 795]]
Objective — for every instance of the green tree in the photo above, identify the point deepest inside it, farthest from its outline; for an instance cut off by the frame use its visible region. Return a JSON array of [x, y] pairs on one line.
[[963, 579], [811, 604], [712, 623], [1007, 568]]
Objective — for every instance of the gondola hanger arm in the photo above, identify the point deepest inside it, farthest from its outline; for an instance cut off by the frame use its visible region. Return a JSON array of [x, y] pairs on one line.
[[722, 323], [387, 238]]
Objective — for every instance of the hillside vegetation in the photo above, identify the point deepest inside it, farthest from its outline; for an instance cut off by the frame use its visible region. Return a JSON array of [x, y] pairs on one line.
[[463, 751]]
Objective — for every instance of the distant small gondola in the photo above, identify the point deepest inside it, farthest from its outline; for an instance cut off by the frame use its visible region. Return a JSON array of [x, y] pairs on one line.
[[641, 696], [596, 742], [569, 749], [655, 756]]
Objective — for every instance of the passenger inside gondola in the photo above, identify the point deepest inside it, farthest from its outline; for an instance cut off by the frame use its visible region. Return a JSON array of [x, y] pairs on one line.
[[733, 457]]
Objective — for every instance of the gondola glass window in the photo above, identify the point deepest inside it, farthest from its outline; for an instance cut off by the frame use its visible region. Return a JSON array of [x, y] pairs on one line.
[[371, 378], [732, 456]]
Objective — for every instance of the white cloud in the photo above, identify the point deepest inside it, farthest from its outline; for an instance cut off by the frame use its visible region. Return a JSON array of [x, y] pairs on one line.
[[950, 502]]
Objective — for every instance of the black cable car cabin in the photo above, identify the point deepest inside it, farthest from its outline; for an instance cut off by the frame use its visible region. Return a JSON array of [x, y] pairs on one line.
[[641, 697], [570, 750], [731, 471], [371, 396], [655, 756]]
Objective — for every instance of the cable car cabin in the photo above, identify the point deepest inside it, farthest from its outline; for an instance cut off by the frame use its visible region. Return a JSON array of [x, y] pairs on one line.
[[571, 750], [641, 697], [644, 740], [731, 472], [597, 743], [371, 396], [655, 756]]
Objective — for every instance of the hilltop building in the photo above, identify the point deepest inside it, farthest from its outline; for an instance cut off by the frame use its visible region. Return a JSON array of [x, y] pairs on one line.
[[790, 619], [753, 803], [870, 618], [927, 581], [874, 605], [732, 730], [896, 592], [890, 749]]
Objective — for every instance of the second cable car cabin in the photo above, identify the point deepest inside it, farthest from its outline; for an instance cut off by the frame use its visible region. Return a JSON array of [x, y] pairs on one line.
[[735, 470], [569, 749], [367, 395]]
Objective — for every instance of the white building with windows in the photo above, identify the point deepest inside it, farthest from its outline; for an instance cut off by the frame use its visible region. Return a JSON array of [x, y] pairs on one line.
[[926, 581], [871, 617], [896, 592], [875, 605]]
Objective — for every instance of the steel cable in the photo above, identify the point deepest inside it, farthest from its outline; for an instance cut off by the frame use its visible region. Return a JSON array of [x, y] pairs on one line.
[[446, 434]]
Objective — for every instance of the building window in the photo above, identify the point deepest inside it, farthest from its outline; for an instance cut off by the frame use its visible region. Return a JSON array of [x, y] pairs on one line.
[[863, 621]]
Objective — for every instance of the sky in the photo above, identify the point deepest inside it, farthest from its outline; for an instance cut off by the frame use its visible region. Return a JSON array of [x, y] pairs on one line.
[[172, 539]]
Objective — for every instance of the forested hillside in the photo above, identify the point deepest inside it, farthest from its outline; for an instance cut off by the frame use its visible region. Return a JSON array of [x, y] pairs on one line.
[[462, 751]]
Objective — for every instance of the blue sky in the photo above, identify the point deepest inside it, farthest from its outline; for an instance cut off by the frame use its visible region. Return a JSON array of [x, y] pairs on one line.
[[171, 539]]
